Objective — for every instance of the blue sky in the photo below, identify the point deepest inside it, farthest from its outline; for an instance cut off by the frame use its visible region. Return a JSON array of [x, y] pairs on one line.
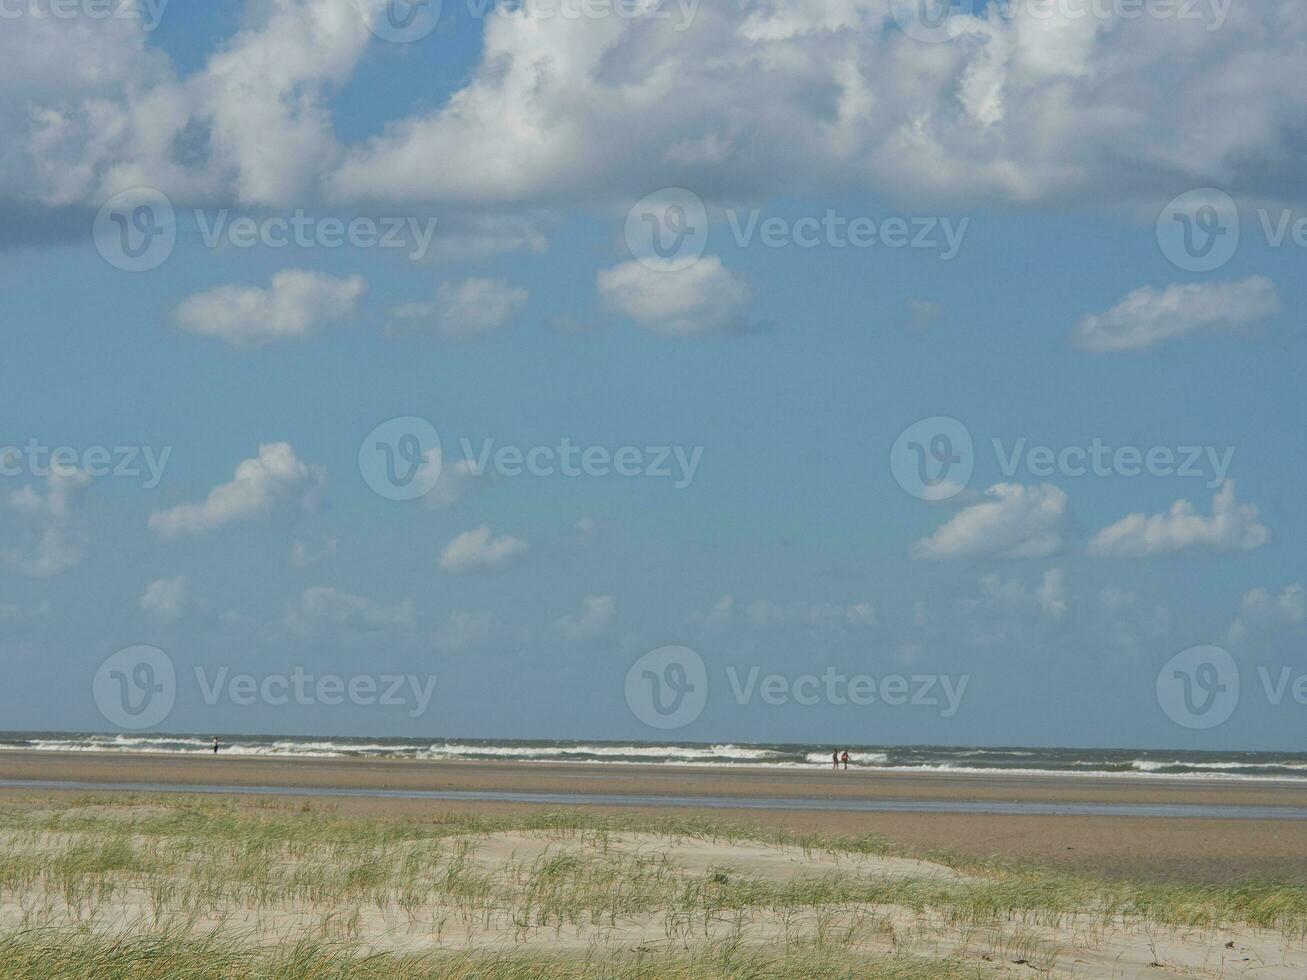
[[533, 318]]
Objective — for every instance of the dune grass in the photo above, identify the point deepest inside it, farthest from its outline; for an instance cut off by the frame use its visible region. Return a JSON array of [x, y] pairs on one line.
[[199, 887]]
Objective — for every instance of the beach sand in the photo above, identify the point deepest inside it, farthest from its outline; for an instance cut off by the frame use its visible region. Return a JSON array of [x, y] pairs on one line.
[[1141, 848]]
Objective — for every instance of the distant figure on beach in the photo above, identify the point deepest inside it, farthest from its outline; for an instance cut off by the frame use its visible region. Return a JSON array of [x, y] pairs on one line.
[[845, 758], [835, 759], [215, 745]]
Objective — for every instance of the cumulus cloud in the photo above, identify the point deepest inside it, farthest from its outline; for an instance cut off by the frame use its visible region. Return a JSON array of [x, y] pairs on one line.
[[1231, 526], [461, 310], [1148, 317], [275, 484], [51, 537], [922, 314], [720, 616], [765, 614], [1014, 521], [1127, 623], [597, 615], [1263, 611], [166, 600], [703, 298], [17, 619], [302, 556], [323, 611], [292, 308], [455, 479], [479, 548], [466, 632], [1024, 108]]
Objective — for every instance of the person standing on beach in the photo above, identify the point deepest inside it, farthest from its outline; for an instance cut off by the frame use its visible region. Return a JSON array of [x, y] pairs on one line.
[[835, 759], [845, 758], [215, 745]]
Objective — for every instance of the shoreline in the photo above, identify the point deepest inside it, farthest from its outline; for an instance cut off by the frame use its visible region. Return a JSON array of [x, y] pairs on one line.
[[926, 770], [1124, 846]]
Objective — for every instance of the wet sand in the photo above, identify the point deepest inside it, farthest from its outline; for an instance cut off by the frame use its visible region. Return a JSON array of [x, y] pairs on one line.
[[1155, 848]]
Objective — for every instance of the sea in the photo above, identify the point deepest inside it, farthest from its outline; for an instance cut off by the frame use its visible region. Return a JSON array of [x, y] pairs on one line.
[[1124, 763]]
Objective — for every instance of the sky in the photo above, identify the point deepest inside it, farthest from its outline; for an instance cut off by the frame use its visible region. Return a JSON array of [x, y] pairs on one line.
[[511, 345]]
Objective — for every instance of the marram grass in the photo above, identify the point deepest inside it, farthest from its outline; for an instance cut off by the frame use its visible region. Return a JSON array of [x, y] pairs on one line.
[[196, 887]]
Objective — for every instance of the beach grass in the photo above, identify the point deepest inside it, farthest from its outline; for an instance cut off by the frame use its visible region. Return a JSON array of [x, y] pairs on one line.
[[120, 886]]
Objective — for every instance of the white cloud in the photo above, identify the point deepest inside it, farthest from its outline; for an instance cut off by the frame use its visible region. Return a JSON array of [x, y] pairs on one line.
[[323, 611], [720, 616], [765, 614], [166, 600], [703, 298], [275, 484], [17, 619], [1007, 613], [480, 549], [923, 314], [1148, 317], [1232, 526], [1263, 611], [90, 109], [461, 310], [301, 556], [51, 538], [455, 480], [1024, 108], [293, 308], [597, 616], [1014, 521], [1126, 623], [466, 632]]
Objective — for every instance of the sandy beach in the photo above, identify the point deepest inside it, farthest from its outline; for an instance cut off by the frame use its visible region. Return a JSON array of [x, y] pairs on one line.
[[1151, 848]]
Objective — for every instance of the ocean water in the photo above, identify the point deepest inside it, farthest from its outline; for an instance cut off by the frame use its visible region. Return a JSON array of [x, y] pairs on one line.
[[1136, 763]]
